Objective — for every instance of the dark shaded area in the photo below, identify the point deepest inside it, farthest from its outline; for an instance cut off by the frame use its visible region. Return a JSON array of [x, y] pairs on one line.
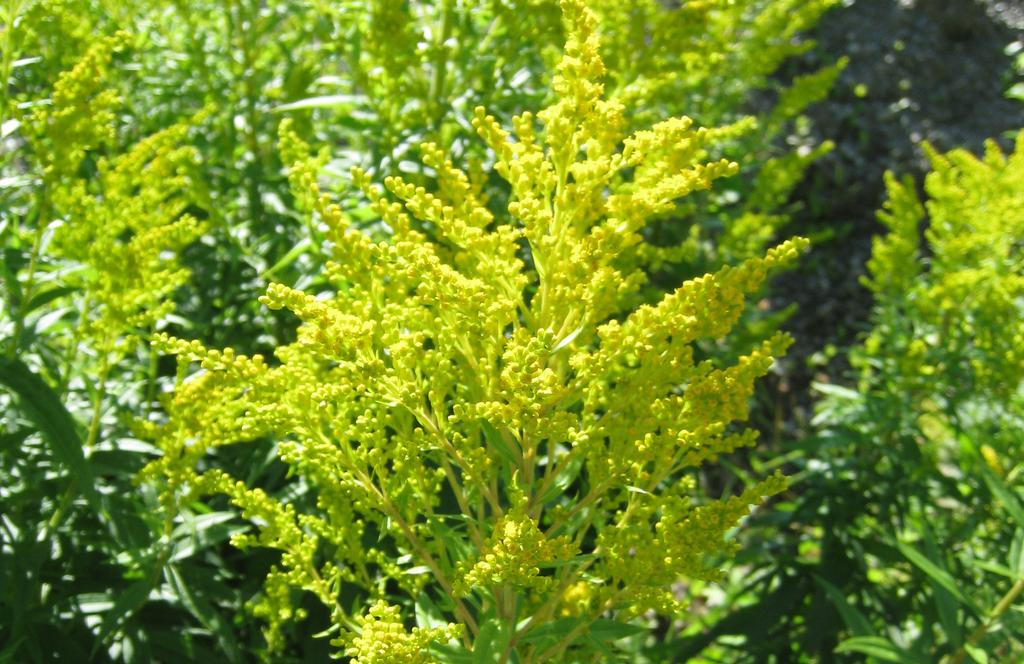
[[924, 70]]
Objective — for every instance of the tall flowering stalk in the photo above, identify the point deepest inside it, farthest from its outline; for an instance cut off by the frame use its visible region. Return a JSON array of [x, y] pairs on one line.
[[493, 430]]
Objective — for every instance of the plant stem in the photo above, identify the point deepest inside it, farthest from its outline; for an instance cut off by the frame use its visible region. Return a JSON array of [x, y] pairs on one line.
[[26, 296], [389, 509], [154, 364], [72, 350], [7, 62], [428, 422], [437, 86], [101, 390], [566, 641], [464, 507], [460, 609], [997, 611]]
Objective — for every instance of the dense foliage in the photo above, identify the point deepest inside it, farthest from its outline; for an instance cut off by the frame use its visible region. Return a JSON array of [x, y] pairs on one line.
[[404, 331], [902, 538]]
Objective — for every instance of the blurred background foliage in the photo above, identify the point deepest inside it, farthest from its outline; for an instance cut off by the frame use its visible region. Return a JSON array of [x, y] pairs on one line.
[[901, 538]]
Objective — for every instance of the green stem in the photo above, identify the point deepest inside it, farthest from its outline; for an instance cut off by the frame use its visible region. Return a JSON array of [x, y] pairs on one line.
[[437, 86], [566, 641], [464, 507], [7, 62], [998, 610], [592, 496], [543, 614], [431, 425], [154, 365], [553, 472], [389, 508], [72, 350], [97, 402], [26, 296]]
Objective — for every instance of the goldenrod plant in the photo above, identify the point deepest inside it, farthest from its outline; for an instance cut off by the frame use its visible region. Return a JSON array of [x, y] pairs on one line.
[[907, 526], [91, 266], [118, 232], [386, 75], [416, 70], [943, 368], [665, 59], [959, 295], [126, 224], [485, 432]]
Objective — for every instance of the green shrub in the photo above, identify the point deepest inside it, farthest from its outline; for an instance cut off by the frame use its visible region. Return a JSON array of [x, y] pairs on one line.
[[112, 170], [906, 529], [941, 374], [710, 61], [91, 265], [482, 428]]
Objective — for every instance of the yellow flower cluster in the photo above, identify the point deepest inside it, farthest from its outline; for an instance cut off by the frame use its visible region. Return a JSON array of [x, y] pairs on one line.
[[129, 232], [122, 225], [480, 392], [81, 116], [712, 54], [383, 639], [961, 311], [127, 223], [302, 168], [512, 555], [60, 30]]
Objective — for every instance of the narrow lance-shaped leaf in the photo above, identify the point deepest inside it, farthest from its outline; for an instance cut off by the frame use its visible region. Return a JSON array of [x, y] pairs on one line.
[[44, 408]]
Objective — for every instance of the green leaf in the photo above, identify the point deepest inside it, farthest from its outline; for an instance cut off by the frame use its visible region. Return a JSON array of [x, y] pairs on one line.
[[9, 272], [939, 576], [569, 338], [994, 568], [613, 630], [288, 258], [198, 533], [495, 440], [564, 480], [13, 439], [47, 296], [43, 407], [836, 391], [555, 629], [451, 654], [854, 619], [9, 127], [878, 647], [601, 648], [1005, 496], [428, 615], [490, 642], [326, 101], [976, 653], [209, 617], [944, 602], [128, 602], [1016, 559]]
